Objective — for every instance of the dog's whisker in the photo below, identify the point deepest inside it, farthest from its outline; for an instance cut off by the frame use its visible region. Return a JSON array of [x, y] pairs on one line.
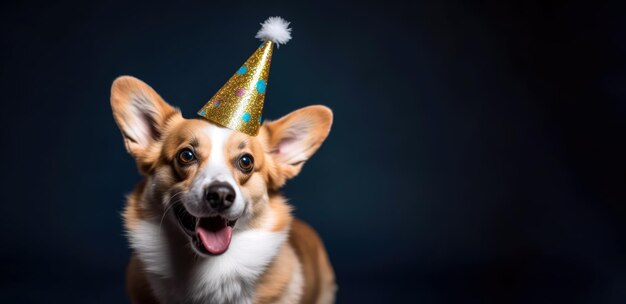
[[169, 207]]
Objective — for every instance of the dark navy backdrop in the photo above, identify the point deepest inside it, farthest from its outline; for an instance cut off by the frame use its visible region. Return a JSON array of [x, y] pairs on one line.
[[476, 156]]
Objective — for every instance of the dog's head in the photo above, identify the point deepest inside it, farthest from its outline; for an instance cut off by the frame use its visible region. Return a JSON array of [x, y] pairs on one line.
[[209, 180]]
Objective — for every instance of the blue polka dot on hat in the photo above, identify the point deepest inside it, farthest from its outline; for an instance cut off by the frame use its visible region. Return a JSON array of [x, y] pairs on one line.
[[246, 117], [260, 86]]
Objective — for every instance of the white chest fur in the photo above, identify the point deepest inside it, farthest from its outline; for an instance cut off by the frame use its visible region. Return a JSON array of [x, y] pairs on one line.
[[178, 276]]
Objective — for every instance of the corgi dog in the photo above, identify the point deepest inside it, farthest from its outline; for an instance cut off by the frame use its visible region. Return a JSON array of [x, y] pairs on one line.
[[207, 224]]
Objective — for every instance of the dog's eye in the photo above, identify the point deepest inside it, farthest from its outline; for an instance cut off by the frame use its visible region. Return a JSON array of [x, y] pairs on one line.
[[186, 156], [245, 163]]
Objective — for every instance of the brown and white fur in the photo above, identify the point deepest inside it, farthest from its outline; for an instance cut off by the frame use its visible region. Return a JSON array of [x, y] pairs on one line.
[[272, 257]]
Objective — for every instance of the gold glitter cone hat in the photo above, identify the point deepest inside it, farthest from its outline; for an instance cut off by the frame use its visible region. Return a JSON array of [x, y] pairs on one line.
[[238, 105]]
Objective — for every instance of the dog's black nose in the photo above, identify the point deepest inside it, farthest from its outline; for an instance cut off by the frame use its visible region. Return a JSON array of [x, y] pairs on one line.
[[220, 195]]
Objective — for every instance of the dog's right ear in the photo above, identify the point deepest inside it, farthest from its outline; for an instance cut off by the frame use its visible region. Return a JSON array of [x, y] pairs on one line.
[[140, 113]]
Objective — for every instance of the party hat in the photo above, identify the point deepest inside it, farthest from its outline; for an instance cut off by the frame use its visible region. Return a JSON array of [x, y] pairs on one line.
[[238, 105]]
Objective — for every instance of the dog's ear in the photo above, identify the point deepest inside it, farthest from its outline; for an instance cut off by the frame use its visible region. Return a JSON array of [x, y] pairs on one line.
[[292, 139], [139, 112]]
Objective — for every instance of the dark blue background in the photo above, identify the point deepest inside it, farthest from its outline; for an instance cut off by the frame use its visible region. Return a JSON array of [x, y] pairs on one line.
[[477, 154]]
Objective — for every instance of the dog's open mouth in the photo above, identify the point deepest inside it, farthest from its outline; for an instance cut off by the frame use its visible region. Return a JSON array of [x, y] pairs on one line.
[[209, 235]]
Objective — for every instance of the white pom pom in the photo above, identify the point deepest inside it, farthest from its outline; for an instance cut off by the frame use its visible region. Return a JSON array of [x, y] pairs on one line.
[[275, 29]]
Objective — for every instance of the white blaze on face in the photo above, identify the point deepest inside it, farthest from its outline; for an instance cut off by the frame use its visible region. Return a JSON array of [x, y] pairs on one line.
[[218, 170]]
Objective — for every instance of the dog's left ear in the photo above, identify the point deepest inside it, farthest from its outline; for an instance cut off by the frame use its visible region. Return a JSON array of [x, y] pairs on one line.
[[141, 115], [292, 139]]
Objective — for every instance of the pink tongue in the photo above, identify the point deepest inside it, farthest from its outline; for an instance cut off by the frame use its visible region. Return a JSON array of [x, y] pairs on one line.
[[215, 242]]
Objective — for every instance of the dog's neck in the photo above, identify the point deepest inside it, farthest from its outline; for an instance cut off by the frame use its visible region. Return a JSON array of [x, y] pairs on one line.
[[178, 275]]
